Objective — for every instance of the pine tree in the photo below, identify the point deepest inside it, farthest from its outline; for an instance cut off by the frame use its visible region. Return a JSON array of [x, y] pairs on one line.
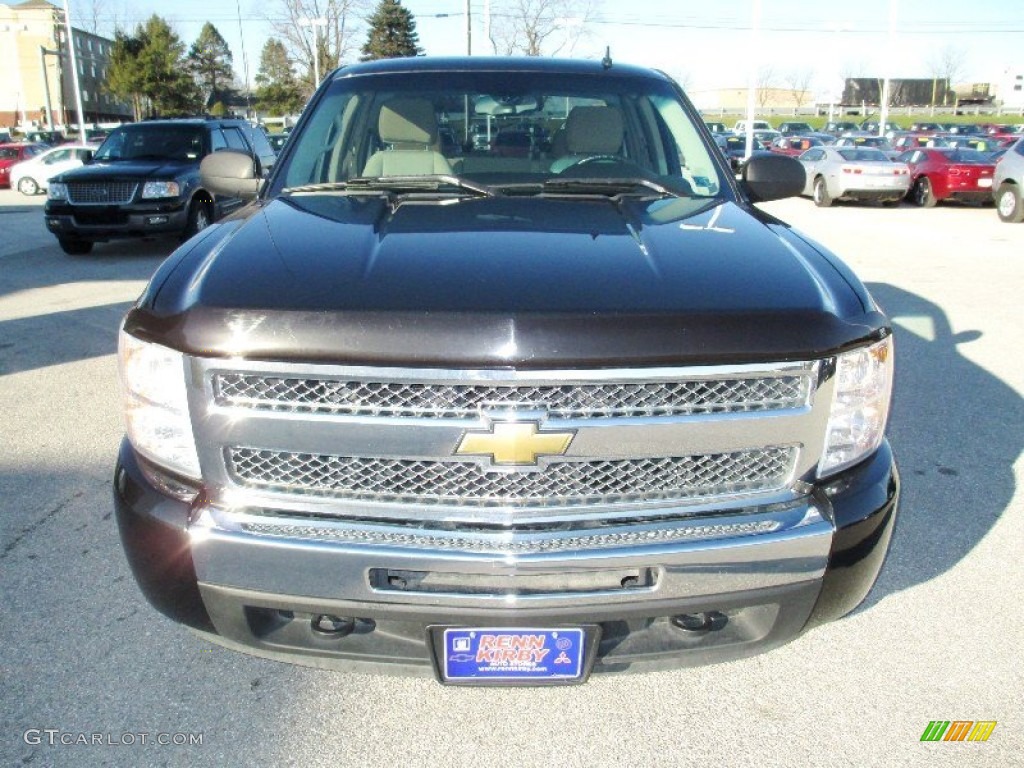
[[277, 89], [392, 33], [209, 60], [124, 76], [165, 75]]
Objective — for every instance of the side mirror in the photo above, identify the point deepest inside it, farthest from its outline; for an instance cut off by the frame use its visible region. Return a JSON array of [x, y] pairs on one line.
[[772, 177], [231, 173]]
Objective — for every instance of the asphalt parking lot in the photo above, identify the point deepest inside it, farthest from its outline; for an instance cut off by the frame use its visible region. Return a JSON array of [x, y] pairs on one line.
[[939, 638]]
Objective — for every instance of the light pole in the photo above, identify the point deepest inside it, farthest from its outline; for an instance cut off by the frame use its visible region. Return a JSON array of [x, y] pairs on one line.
[[74, 73], [315, 24]]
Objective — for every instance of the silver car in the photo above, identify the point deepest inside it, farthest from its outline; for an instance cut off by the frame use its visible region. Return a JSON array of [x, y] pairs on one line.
[[1006, 183], [853, 173]]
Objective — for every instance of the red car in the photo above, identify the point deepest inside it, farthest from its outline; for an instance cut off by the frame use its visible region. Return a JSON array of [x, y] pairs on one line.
[[948, 174], [794, 146], [15, 153]]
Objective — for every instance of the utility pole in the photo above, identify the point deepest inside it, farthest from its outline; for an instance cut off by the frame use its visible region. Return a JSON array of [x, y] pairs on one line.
[[884, 117], [74, 73], [469, 31]]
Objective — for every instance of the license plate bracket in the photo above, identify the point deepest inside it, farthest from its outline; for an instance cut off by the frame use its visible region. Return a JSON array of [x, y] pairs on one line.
[[513, 655]]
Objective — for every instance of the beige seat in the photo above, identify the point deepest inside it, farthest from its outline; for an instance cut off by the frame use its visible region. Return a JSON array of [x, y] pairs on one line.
[[590, 132], [409, 126]]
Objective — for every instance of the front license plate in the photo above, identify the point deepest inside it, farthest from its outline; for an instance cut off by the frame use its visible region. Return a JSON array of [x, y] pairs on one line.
[[984, 182], [513, 655]]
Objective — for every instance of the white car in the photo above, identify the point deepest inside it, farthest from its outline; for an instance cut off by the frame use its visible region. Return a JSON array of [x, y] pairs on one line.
[[853, 173], [30, 177]]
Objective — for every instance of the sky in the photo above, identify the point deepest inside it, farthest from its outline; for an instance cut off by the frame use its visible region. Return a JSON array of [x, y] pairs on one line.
[[705, 44]]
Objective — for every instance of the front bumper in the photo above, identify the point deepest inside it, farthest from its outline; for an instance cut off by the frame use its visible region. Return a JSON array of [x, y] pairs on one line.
[[101, 222], [761, 578]]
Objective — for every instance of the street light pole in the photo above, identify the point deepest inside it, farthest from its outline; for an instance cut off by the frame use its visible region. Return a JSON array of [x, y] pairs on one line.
[[74, 73], [315, 24]]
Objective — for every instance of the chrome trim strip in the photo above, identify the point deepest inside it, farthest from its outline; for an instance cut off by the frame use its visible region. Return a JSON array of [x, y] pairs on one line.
[[784, 546]]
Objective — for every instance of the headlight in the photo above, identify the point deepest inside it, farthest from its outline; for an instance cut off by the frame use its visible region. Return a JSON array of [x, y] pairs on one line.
[[153, 189], [57, 191], [860, 406], [156, 404]]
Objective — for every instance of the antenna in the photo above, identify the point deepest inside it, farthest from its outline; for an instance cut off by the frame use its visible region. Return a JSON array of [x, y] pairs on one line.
[[606, 62]]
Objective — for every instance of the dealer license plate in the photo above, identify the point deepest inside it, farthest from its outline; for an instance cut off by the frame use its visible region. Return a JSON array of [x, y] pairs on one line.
[[513, 655]]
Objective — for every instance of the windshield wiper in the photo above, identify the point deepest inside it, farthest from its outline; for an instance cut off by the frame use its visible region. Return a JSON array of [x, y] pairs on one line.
[[610, 186], [429, 183]]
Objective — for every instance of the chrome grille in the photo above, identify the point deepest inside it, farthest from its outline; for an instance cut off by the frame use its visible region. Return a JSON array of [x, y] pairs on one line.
[[101, 193], [563, 483], [565, 401]]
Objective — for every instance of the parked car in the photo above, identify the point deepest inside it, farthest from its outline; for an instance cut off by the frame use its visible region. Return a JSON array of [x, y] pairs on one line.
[[912, 140], [765, 136], [839, 127], [277, 141], [963, 175], [32, 176], [716, 128], [45, 137], [734, 148], [971, 141], [144, 180], [927, 127], [790, 128], [853, 173], [793, 145], [1008, 184], [871, 126], [869, 142], [16, 152], [510, 420], [758, 125], [964, 129]]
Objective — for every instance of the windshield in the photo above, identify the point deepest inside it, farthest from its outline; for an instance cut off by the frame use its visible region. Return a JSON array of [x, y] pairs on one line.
[[500, 129], [153, 142], [863, 155]]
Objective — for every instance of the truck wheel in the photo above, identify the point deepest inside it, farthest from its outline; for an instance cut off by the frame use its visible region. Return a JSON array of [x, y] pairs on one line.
[[1009, 205], [923, 195], [822, 198], [199, 218], [28, 186], [74, 247]]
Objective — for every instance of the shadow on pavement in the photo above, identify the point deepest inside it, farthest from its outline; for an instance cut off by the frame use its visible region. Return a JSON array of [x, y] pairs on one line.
[[956, 430]]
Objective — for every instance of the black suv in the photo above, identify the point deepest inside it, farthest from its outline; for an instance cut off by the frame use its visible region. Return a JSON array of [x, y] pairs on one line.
[[144, 180]]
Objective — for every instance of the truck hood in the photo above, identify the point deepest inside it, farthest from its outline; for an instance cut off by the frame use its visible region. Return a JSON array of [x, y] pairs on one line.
[[508, 280], [127, 169]]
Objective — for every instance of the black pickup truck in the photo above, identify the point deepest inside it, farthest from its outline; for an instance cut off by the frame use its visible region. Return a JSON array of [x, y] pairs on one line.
[[504, 418]]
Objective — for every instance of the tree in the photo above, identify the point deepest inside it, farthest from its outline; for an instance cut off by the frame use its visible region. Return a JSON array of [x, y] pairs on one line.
[[946, 66], [392, 33], [210, 61], [124, 76], [334, 41], [538, 27], [799, 81], [765, 84], [277, 91], [149, 68]]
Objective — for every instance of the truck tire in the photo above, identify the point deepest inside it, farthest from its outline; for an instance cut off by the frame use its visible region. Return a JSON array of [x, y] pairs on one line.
[[199, 218], [1009, 204], [74, 246]]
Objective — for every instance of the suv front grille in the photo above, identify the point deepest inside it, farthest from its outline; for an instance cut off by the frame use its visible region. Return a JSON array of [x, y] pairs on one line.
[[564, 401], [461, 483], [101, 193]]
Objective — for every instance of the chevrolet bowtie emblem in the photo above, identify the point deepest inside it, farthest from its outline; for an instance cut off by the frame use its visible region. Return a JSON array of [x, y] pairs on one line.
[[514, 443]]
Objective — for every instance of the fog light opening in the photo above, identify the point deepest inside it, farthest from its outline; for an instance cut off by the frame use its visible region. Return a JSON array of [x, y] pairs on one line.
[[334, 626], [706, 621]]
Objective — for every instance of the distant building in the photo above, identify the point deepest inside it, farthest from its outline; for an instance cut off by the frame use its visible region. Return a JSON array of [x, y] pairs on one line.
[[1009, 89], [903, 92], [36, 86], [733, 99]]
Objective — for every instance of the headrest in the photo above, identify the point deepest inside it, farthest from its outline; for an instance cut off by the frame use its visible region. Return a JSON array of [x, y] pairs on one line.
[[594, 131], [408, 121]]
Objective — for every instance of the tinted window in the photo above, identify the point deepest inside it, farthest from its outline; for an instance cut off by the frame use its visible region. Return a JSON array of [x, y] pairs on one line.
[[153, 141], [233, 136]]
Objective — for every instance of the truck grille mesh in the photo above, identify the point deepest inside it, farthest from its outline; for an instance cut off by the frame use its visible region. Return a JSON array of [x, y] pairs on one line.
[[101, 193], [459, 483], [567, 401]]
